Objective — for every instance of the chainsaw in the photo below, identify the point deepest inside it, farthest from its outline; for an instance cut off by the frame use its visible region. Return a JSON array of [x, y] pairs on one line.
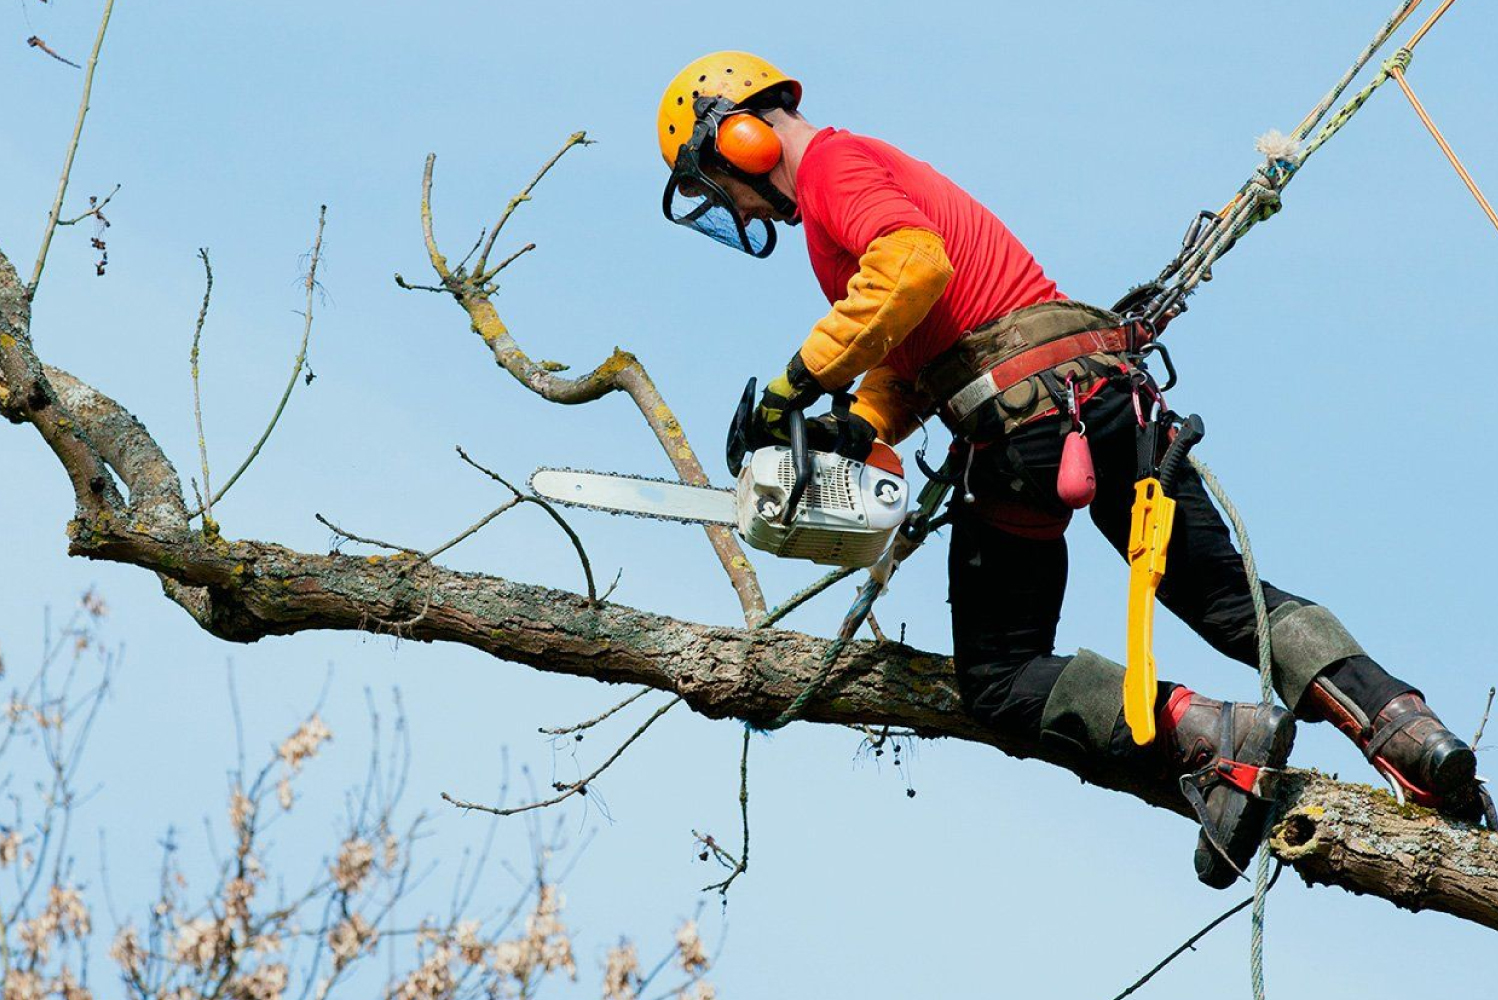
[[791, 501]]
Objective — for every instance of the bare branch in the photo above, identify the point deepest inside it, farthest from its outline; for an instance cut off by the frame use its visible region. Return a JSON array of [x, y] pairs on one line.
[[1483, 725], [621, 372], [67, 163], [297, 364], [359, 538], [589, 724], [95, 207], [575, 139], [489, 276], [470, 530], [402, 283], [577, 543], [37, 43], [741, 864], [579, 787], [197, 395]]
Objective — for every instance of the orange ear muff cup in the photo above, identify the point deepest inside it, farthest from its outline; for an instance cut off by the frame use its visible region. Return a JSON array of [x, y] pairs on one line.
[[749, 144]]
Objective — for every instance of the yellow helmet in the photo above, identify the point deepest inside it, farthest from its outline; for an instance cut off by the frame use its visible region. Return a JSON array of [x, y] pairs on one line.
[[735, 76]]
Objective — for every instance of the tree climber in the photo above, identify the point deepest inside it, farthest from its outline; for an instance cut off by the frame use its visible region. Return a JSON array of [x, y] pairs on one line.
[[929, 292]]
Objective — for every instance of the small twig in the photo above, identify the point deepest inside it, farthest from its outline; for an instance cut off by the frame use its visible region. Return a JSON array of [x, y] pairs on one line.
[[576, 787], [1483, 725], [874, 627], [577, 543], [489, 275], [603, 598], [401, 282], [37, 43], [197, 395], [359, 538], [742, 865], [67, 163], [568, 730], [297, 364], [575, 139], [469, 531], [711, 846], [94, 209], [1190, 942]]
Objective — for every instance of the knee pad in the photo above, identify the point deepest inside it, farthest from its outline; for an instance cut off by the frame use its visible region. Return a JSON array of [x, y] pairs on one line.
[[1306, 639], [1084, 706]]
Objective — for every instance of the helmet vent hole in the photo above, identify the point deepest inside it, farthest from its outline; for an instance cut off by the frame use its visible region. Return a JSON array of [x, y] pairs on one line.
[[702, 78], [748, 83], [671, 129], [679, 100], [728, 70]]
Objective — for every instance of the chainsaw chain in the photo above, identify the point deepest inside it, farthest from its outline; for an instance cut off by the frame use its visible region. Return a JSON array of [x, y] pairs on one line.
[[621, 513]]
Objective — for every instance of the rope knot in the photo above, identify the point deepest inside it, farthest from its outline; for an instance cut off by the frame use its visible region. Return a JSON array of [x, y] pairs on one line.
[[1399, 60]]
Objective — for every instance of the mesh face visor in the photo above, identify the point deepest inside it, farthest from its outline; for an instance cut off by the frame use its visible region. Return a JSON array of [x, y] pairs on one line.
[[694, 200]]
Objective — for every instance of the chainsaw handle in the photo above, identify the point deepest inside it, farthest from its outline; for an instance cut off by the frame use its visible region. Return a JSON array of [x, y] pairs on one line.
[[800, 462]]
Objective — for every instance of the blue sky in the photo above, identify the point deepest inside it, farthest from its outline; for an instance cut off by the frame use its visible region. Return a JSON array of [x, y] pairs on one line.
[[1337, 358]]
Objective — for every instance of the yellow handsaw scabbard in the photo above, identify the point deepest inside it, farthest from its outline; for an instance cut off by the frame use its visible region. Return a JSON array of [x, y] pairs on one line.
[[1149, 537]]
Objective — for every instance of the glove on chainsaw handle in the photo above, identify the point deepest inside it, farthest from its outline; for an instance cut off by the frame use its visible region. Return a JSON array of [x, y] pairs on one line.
[[800, 461]]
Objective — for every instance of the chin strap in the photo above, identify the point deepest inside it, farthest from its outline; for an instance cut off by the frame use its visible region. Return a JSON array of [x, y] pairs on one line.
[[779, 201]]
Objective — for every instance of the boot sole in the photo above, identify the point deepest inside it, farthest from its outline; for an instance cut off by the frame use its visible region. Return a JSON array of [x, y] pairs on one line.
[[1239, 816]]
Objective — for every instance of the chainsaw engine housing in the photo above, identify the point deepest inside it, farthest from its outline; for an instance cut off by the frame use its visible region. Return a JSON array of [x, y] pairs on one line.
[[846, 516]]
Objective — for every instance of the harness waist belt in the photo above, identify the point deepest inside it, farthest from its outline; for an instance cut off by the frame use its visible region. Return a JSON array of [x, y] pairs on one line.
[[1031, 362]]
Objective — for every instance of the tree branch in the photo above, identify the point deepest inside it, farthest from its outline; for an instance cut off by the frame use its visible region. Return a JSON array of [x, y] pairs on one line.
[[622, 372], [296, 366], [67, 163]]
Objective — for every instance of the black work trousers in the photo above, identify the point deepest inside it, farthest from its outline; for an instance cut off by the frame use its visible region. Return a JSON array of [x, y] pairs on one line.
[[1006, 590]]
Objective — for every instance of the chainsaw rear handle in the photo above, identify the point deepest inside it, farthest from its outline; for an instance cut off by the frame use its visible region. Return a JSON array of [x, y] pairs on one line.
[[1190, 432], [800, 462]]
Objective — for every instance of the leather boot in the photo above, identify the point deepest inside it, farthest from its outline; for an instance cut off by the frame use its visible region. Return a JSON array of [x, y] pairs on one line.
[[1219, 748], [1408, 744]]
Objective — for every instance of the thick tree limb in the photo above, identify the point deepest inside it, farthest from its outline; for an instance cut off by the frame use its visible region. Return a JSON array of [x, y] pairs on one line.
[[1333, 833]]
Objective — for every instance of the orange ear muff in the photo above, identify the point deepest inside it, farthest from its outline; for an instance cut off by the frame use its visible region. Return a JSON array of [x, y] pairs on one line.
[[749, 144]]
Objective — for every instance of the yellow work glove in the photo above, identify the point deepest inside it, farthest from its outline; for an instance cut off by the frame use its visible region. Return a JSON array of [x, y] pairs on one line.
[[900, 277], [792, 389]]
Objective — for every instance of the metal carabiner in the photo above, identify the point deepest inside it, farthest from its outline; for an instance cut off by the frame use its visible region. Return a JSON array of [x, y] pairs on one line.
[[1155, 347]]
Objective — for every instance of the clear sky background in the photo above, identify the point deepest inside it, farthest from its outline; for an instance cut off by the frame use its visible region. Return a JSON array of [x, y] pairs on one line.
[[1339, 358]]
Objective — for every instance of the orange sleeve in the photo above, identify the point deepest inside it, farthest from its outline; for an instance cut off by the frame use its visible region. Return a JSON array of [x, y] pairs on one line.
[[900, 277]]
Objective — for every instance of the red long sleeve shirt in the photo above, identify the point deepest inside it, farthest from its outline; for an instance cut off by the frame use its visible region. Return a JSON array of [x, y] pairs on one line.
[[852, 189]]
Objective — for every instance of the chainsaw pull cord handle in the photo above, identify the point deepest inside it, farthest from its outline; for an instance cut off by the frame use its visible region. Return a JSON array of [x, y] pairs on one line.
[[800, 462]]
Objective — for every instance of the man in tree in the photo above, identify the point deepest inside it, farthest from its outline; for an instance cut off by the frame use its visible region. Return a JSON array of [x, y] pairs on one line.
[[941, 310]]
